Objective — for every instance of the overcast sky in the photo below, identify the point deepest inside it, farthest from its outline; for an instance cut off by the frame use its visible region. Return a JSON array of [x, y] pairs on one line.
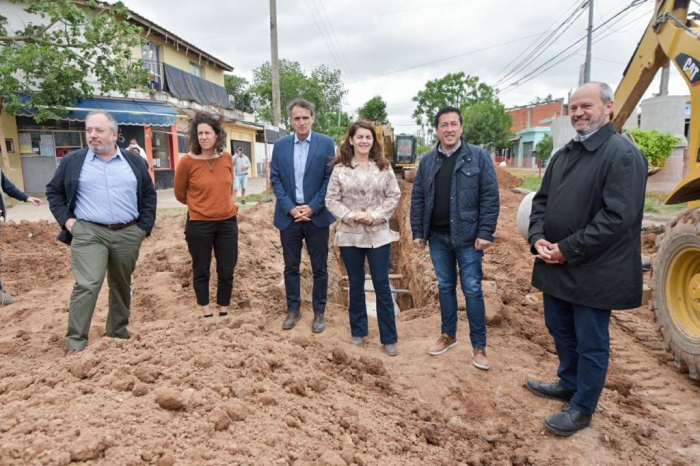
[[393, 47]]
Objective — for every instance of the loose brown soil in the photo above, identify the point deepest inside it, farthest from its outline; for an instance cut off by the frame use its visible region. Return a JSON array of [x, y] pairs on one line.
[[239, 390]]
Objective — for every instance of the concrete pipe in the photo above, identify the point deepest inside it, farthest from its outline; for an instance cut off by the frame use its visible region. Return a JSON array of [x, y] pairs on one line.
[[523, 218]]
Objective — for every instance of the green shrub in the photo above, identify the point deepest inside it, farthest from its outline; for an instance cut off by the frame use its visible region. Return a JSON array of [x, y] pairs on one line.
[[655, 145]]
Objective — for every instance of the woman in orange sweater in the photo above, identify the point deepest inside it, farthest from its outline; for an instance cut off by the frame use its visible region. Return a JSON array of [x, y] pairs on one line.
[[204, 181]]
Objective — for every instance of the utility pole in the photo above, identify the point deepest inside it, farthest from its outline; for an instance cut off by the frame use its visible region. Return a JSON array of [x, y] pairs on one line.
[[665, 75], [274, 65], [589, 43]]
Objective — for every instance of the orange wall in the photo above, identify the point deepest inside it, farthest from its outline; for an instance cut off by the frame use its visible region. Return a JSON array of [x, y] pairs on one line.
[[537, 113]]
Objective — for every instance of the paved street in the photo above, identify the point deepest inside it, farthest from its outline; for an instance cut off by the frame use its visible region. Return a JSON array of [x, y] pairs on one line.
[[166, 199]]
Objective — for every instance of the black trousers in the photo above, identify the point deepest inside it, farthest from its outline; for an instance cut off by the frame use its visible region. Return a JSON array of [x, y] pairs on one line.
[[222, 236], [316, 239]]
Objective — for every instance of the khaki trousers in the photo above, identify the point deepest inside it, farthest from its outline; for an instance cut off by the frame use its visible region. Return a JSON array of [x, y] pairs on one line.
[[97, 250]]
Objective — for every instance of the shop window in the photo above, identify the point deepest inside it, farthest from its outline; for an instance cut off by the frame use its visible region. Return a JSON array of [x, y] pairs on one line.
[[161, 150]]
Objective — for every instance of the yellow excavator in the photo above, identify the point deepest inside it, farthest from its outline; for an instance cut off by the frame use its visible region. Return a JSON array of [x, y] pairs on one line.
[[673, 35], [399, 150]]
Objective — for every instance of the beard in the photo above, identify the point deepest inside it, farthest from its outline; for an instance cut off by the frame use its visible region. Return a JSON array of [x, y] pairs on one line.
[[593, 125], [102, 149]]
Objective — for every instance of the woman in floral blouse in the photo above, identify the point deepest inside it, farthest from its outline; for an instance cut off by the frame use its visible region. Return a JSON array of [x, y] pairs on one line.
[[363, 195]]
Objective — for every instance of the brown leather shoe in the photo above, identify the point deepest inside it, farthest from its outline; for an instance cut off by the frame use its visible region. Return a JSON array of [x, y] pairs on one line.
[[291, 320], [479, 359], [70, 352], [444, 343]]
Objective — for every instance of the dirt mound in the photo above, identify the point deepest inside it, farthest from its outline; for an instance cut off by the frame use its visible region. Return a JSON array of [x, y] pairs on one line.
[[506, 180], [239, 390]]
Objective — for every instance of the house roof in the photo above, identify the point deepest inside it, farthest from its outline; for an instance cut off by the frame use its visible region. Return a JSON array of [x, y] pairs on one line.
[[152, 28]]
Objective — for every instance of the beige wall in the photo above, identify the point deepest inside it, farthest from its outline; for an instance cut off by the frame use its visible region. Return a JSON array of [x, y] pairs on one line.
[[239, 133], [172, 56], [9, 125]]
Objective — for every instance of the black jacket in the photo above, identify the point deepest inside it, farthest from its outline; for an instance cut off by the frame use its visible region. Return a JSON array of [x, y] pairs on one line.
[[11, 190], [63, 187], [591, 204], [474, 204]]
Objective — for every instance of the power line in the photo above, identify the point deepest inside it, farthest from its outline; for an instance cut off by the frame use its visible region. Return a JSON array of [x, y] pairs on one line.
[[441, 59], [532, 75], [346, 18], [538, 44], [334, 37], [323, 36], [634, 4]]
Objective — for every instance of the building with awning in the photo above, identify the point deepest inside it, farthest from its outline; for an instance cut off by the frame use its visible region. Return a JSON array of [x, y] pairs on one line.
[[184, 79], [125, 111]]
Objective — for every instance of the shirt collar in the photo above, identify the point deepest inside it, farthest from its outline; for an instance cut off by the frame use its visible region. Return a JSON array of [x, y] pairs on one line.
[[447, 154], [308, 138], [583, 137], [91, 155], [596, 138]]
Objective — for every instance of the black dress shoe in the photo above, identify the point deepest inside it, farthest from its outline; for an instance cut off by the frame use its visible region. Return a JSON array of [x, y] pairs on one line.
[[553, 391], [319, 324], [568, 422], [291, 320]]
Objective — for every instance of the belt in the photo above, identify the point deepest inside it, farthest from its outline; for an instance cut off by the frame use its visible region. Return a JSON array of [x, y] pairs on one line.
[[114, 226]]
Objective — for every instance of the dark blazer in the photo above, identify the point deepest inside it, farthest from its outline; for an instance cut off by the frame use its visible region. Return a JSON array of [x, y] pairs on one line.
[[474, 204], [11, 190], [316, 176], [591, 203], [63, 187]]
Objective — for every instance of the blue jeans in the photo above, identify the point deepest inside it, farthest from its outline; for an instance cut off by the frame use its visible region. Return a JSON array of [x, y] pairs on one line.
[[445, 261], [354, 260], [583, 345], [293, 238]]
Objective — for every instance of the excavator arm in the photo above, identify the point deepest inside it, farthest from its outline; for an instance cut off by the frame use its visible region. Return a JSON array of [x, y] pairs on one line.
[[671, 35]]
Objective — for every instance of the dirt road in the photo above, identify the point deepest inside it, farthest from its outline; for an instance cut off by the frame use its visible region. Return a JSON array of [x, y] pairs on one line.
[[239, 390]]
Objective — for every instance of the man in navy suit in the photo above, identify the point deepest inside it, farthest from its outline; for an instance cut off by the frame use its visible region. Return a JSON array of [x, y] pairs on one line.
[[299, 174]]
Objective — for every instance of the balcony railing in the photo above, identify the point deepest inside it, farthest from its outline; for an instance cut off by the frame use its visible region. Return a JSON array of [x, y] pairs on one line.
[[155, 69]]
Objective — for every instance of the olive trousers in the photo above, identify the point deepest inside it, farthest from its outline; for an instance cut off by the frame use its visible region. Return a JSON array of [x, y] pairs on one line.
[[96, 251]]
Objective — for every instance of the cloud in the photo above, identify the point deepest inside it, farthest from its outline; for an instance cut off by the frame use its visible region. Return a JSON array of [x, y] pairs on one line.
[[372, 41]]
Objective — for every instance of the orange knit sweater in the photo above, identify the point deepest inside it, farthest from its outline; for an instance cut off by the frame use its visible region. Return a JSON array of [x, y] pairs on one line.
[[206, 186]]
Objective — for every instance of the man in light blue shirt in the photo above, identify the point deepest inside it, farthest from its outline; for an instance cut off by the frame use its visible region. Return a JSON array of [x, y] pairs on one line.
[[241, 165], [105, 202], [299, 174]]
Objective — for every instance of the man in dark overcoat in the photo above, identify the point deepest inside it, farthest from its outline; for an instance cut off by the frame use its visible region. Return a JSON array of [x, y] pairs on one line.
[[585, 228]]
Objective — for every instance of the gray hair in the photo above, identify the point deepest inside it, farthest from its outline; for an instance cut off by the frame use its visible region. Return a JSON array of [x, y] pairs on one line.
[[606, 92], [113, 125], [303, 103]]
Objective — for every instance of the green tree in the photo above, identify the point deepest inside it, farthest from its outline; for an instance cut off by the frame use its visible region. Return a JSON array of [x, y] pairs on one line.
[[323, 87], [238, 87], [71, 51], [454, 89], [540, 100], [76, 51], [544, 150], [487, 122], [373, 110], [655, 145]]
